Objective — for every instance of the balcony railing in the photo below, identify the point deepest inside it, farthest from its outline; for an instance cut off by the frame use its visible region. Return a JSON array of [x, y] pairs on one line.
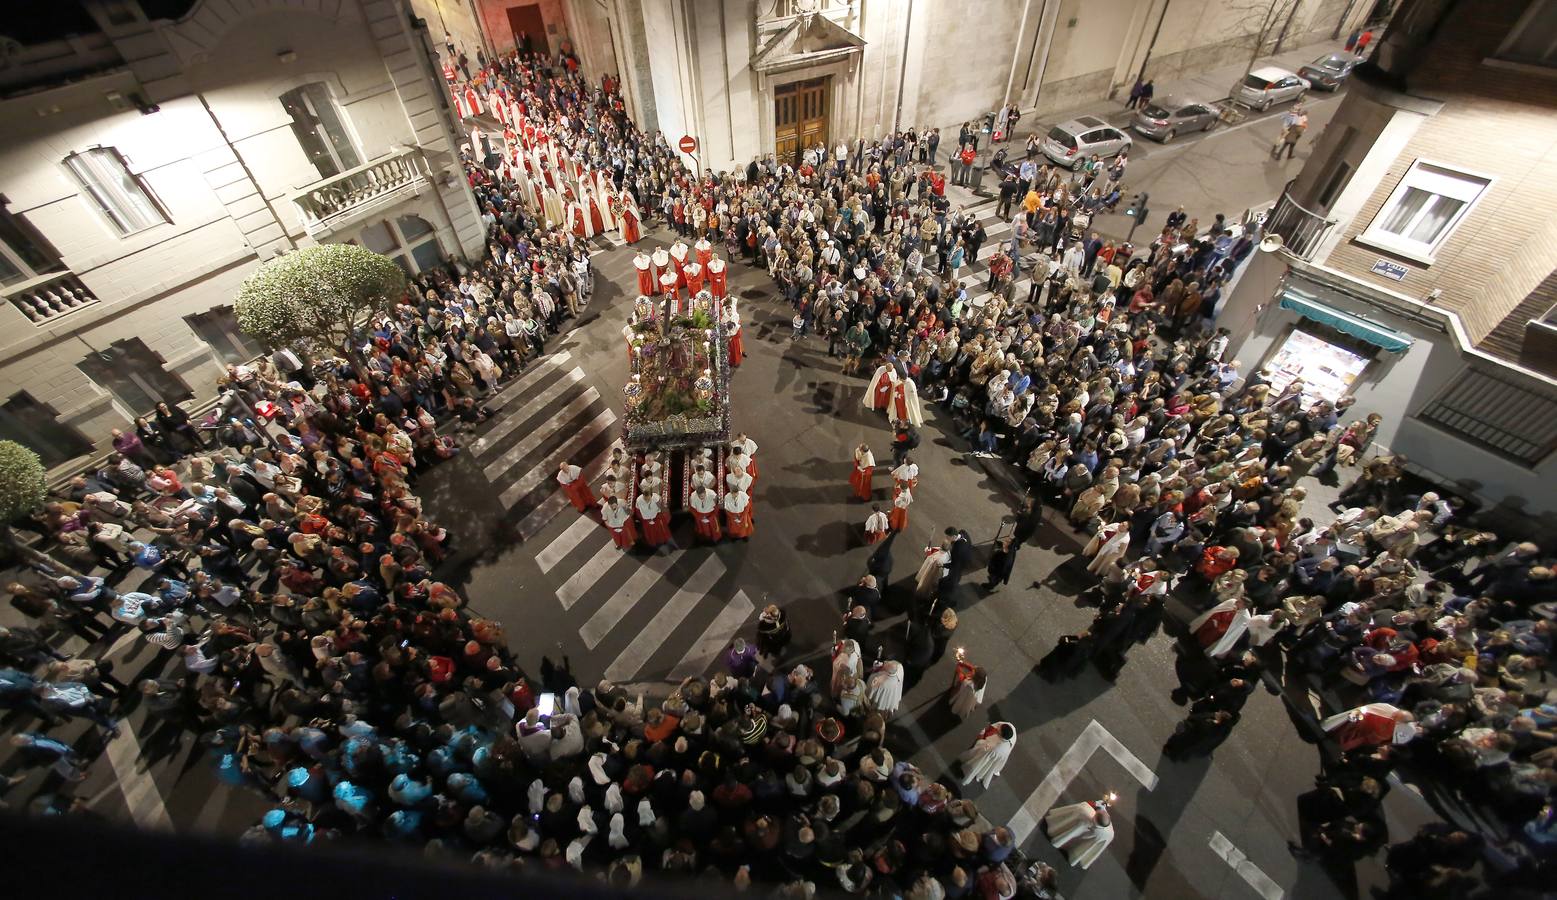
[[327, 205], [1301, 229], [48, 297], [782, 9]]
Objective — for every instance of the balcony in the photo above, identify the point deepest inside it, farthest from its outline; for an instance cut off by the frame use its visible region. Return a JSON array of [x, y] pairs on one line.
[[341, 200], [1301, 229], [48, 297]]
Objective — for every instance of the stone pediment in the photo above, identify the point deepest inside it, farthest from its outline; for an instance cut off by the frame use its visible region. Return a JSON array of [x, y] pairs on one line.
[[807, 41]]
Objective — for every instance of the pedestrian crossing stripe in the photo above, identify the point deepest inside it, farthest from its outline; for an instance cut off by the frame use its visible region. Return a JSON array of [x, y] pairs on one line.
[[645, 575], [545, 471], [666, 621], [558, 421], [537, 405], [717, 636], [575, 534], [547, 364], [557, 501]]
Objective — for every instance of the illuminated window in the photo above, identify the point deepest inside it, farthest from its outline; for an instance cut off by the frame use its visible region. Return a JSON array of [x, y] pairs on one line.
[[1423, 210], [119, 193], [320, 129]]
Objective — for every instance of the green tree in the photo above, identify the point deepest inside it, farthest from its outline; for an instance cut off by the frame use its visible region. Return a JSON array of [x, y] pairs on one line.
[[22, 490], [319, 297]]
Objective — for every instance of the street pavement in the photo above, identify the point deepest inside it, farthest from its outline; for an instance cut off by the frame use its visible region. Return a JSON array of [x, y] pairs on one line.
[[1206, 827], [1213, 827], [1225, 170]]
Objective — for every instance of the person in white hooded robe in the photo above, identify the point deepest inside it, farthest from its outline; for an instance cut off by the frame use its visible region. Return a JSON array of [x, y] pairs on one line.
[[987, 757], [1082, 830], [885, 687]]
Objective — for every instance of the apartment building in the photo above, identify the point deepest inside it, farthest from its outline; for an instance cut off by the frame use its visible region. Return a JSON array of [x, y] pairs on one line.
[[1413, 261], [156, 152]]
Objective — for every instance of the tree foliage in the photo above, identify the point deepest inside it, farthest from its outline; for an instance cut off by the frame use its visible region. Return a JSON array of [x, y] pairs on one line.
[[22, 485], [318, 295]]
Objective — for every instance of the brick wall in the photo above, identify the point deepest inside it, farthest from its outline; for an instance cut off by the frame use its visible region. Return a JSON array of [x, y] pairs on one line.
[[1495, 122]]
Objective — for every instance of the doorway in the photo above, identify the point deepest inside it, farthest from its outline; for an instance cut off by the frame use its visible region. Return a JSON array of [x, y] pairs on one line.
[[527, 24], [799, 117]]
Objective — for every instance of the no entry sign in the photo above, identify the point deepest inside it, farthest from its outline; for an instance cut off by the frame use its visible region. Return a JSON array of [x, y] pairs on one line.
[[688, 144]]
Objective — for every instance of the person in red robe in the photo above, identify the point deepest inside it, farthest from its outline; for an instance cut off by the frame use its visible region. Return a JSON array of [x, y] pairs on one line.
[[632, 232], [668, 288], [716, 277], [737, 515], [1370, 725], [655, 519], [575, 487], [863, 473], [878, 394], [695, 278], [645, 271], [705, 514], [594, 212], [580, 226], [898, 520], [737, 346], [704, 251], [618, 520]]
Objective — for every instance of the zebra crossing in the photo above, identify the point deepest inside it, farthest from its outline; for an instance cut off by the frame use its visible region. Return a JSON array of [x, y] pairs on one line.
[[638, 614], [548, 415], [646, 617]]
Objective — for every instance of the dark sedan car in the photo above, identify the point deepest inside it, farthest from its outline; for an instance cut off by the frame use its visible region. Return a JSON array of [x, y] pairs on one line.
[[1327, 72]]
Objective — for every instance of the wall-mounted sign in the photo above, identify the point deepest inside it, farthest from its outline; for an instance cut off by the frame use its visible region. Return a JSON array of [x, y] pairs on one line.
[[1391, 270]]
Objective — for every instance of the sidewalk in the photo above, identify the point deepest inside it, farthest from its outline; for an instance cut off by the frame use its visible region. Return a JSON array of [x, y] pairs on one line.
[[1211, 86]]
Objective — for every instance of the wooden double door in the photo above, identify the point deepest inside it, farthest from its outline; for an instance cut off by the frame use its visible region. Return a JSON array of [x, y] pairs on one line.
[[799, 117]]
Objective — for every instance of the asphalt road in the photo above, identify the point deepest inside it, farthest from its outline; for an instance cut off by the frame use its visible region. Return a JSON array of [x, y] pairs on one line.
[[1209, 827]]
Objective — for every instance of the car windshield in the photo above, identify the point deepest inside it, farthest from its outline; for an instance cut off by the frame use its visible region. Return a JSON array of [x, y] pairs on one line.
[[1062, 137], [1255, 82], [1333, 63], [1154, 111]]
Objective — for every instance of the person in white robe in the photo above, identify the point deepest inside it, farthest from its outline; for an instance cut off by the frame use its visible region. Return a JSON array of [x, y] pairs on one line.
[[846, 663], [905, 403], [1219, 628], [987, 757], [968, 693], [1107, 546], [1082, 830], [936, 561], [884, 690]]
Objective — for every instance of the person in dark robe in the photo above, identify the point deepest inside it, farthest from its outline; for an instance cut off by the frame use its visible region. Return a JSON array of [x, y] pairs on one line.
[[1001, 562], [1199, 734], [1067, 658]]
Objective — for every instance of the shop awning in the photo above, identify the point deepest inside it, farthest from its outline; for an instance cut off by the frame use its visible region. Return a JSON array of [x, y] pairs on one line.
[[1378, 335]]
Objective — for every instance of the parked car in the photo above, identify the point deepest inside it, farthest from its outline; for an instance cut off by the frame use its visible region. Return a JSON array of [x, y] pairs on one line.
[[1168, 117], [1266, 86], [1071, 143], [1327, 72]]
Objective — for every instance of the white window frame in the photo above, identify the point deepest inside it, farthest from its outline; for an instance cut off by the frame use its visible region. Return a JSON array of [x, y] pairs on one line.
[[1540, 13], [1436, 178], [128, 213]]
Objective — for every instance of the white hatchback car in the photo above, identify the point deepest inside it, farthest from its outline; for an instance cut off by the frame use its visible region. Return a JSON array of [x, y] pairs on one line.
[[1266, 86]]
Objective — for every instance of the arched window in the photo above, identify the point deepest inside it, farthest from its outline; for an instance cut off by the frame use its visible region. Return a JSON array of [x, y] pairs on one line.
[[408, 240]]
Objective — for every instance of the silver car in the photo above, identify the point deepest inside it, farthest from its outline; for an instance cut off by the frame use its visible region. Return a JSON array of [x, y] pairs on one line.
[[1169, 117], [1328, 72], [1266, 86], [1071, 143]]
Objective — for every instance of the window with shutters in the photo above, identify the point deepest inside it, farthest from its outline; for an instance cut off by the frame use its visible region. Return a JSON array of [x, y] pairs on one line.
[[1497, 414]]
